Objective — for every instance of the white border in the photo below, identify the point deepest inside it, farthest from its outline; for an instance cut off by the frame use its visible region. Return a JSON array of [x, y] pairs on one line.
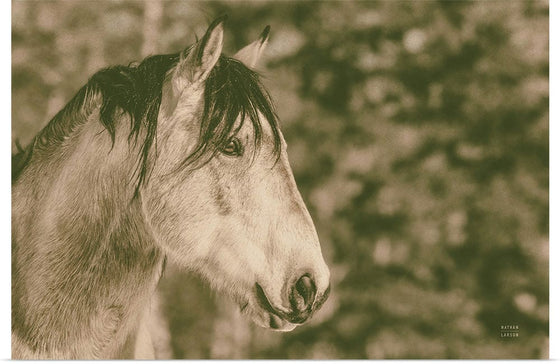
[[5, 187]]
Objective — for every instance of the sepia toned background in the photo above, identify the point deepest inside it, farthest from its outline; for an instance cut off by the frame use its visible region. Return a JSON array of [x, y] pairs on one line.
[[418, 136]]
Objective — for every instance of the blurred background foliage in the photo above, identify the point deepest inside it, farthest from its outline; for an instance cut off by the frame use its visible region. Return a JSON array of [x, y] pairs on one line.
[[418, 135]]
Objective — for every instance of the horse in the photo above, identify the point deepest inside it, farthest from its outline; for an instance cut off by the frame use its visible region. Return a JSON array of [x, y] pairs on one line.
[[179, 157]]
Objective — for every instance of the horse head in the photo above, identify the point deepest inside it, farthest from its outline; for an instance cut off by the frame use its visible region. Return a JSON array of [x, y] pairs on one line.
[[221, 199]]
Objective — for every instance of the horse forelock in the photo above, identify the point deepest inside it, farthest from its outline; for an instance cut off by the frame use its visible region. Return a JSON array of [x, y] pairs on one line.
[[233, 92]]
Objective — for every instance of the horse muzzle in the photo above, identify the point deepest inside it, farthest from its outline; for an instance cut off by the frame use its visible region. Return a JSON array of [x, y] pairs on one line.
[[303, 300]]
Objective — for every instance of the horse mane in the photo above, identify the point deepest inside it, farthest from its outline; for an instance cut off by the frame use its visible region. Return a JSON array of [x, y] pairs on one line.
[[231, 90]]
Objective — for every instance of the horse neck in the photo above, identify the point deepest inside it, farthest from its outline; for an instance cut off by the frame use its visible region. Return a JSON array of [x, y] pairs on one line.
[[83, 260]]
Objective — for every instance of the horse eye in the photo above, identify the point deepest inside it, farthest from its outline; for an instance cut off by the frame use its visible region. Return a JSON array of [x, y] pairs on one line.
[[233, 148]]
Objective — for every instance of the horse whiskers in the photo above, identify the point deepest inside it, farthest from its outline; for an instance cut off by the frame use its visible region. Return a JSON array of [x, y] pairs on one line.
[[244, 306]]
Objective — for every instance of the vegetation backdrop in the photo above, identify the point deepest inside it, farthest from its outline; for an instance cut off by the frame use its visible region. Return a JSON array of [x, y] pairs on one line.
[[418, 135]]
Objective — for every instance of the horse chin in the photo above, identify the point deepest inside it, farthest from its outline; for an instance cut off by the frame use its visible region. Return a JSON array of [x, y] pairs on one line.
[[275, 323], [268, 320]]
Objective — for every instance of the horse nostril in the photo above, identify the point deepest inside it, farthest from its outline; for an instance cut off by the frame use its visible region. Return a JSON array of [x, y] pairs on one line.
[[303, 294]]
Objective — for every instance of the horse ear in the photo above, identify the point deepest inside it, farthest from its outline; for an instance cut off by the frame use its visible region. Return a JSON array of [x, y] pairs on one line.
[[197, 61], [251, 53]]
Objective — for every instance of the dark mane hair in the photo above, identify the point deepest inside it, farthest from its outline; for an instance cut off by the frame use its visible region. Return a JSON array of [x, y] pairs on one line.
[[231, 90]]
